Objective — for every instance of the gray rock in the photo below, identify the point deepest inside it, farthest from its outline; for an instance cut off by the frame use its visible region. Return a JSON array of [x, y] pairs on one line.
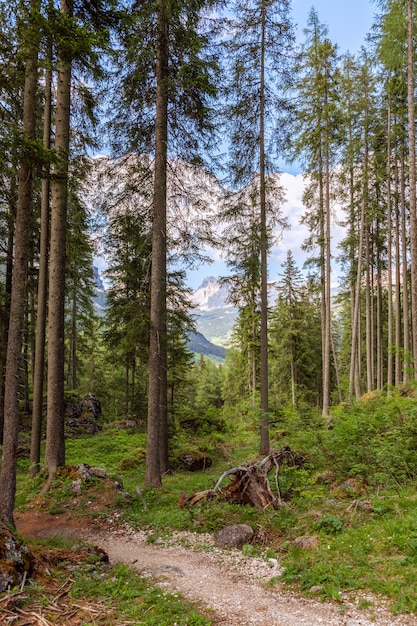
[[234, 536], [16, 562], [306, 542], [82, 415], [75, 487], [84, 473], [98, 471], [168, 569]]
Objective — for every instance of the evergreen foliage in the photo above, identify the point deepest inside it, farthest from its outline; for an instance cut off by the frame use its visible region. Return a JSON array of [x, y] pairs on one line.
[[348, 120]]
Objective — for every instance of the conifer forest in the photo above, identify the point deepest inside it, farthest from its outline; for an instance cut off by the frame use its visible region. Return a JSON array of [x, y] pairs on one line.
[[149, 132]]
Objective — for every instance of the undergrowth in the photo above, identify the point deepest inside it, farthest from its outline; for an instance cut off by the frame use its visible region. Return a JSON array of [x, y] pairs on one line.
[[354, 497]]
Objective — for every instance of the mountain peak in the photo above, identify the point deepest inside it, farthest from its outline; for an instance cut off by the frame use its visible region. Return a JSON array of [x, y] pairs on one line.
[[212, 294], [208, 281]]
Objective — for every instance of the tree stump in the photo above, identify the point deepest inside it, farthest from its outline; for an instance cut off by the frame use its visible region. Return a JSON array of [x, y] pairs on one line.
[[250, 483]]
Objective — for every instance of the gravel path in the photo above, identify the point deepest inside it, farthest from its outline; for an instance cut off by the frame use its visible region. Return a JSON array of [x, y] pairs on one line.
[[233, 586]]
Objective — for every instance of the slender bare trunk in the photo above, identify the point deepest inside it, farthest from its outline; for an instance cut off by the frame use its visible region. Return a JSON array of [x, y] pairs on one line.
[[158, 273], [398, 312], [264, 442], [412, 179], [404, 249], [55, 436], [390, 330], [38, 376], [19, 288], [354, 353], [368, 316], [7, 296], [327, 287]]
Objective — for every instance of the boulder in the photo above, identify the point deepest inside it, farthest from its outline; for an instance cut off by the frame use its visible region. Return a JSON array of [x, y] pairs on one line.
[[234, 536], [195, 461], [16, 562], [82, 416]]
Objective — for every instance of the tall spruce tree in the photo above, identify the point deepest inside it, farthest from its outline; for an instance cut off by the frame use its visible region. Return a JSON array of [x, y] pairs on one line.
[[74, 42], [411, 100], [55, 446], [295, 339], [11, 83], [315, 141], [258, 65], [42, 291], [30, 46], [171, 105]]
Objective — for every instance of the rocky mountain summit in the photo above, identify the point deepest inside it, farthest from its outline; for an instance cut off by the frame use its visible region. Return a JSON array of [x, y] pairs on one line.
[[211, 294], [214, 315]]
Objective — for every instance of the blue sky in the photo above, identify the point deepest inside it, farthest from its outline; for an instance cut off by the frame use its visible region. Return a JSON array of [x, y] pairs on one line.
[[348, 22]]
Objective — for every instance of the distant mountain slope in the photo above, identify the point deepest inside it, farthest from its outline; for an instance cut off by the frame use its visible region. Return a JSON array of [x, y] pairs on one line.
[[99, 298], [214, 315], [200, 345]]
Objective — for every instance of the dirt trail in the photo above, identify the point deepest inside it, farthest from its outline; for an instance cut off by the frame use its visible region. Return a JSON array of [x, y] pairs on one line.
[[231, 586]]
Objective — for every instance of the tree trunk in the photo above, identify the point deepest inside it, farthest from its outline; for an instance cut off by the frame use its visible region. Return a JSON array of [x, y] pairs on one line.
[[73, 343], [368, 324], [406, 308], [264, 439], [390, 329], [38, 376], [158, 271], [354, 350], [7, 297], [55, 437], [18, 293], [379, 329], [163, 425], [398, 311], [327, 284], [412, 179]]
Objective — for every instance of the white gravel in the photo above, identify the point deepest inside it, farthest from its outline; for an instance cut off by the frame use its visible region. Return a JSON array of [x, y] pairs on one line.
[[233, 587]]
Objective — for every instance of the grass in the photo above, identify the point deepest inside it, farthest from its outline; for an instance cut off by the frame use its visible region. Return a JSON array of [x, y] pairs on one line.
[[77, 587], [132, 598], [366, 535]]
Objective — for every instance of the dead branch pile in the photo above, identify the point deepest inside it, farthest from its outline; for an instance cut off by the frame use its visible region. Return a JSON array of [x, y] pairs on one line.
[[59, 609], [249, 482]]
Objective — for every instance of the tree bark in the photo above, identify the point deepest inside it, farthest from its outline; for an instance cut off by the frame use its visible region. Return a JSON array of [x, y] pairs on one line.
[[157, 355], [39, 365], [390, 329], [398, 311], [7, 297], [404, 250], [264, 434], [412, 179], [55, 437], [19, 288]]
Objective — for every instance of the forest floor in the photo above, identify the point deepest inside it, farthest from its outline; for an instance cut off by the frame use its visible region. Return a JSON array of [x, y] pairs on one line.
[[229, 587]]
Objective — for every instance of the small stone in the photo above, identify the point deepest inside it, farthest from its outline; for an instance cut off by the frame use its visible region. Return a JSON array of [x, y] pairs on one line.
[[306, 543], [98, 471]]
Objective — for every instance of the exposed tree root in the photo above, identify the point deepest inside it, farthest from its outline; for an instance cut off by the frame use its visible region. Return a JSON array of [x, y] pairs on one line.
[[250, 483]]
